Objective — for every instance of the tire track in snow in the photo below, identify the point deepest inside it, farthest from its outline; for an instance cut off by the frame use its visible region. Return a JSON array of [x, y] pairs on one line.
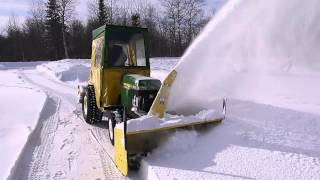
[[39, 165], [100, 140], [32, 162], [110, 172]]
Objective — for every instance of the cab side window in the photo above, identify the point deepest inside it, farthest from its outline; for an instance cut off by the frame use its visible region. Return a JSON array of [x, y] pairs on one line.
[[98, 43], [126, 50]]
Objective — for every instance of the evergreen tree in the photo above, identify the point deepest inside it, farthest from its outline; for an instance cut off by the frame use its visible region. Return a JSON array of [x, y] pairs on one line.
[[102, 16], [53, 31], [34, 42], [78, 47], [15, 37], [135, 20]]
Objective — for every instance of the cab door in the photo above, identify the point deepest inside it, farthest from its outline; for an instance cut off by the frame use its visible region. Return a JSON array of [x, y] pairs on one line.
[[96, 67]]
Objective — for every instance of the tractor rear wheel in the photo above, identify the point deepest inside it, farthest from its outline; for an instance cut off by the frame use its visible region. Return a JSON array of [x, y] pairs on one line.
[[91, 113], [98, 115]]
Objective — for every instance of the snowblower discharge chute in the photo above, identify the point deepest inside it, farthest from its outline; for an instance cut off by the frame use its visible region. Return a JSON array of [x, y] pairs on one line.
[[120, 88]]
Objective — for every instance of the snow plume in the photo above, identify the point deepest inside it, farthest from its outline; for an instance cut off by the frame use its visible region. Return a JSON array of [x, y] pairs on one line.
[[248, 41]]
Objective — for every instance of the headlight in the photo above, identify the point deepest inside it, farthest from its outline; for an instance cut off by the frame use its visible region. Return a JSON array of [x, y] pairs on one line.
[[134, 109], [135, 101]]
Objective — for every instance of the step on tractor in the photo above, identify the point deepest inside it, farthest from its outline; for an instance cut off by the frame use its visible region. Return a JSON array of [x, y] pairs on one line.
[[120, 89]]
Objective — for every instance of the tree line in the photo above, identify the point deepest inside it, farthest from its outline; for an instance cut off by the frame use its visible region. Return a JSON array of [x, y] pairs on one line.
[[51, 31]]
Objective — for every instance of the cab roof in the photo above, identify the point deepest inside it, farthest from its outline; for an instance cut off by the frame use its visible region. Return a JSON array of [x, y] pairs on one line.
[[108, 28]]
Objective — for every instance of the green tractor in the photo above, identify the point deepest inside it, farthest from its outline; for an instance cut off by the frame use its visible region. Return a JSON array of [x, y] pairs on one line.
[[120, 88]]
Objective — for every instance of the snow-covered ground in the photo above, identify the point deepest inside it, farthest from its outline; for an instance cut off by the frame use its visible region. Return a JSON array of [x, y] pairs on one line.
[[256, 141], [262, 55], [42, 131]]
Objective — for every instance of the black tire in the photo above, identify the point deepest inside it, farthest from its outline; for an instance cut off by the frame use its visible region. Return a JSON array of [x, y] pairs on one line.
[[91, 113], [111, 125], [99, 115], [134, 162]]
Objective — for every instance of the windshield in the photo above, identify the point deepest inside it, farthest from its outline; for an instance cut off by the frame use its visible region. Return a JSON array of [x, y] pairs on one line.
[[126, 49]]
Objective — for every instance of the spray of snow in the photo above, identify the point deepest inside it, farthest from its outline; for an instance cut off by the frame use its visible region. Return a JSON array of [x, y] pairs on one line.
[[259, 52], [245, 44]]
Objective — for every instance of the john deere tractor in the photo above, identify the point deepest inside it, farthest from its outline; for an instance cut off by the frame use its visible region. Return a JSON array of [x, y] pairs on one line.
[[120, 88], [119, 83]]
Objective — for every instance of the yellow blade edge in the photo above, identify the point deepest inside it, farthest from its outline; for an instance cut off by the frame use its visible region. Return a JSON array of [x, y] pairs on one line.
[[120, 151], [147, 140], [182, 126], [158, 107]]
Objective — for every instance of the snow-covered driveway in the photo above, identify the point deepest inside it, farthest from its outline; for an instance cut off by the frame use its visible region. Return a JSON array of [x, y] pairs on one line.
[[62, 145]]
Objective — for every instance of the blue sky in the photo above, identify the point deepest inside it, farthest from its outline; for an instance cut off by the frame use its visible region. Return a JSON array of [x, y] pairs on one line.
[[21, 8]]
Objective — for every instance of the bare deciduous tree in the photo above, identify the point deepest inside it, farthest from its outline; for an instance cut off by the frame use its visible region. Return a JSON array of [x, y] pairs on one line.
[[174, 10], [193, 18], [55, 34], [183, 18], [101, 11], [37, 9], [66, 12]]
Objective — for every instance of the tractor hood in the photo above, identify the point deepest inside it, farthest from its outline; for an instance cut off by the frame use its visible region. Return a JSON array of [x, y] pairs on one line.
[[139, 82]]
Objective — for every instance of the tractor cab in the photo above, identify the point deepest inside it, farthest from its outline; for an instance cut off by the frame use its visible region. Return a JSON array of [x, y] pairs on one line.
[[120, 70]]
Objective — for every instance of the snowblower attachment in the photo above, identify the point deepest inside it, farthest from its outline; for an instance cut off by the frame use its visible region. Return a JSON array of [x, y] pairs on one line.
[[132, 144]]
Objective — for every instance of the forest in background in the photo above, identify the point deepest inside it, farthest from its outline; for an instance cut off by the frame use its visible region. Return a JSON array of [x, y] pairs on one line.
[[52, 32]]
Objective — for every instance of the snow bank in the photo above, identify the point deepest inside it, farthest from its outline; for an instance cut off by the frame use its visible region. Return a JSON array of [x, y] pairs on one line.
[[149, 122], [67, 70], [20, 107], [19, 65], [77, 70]]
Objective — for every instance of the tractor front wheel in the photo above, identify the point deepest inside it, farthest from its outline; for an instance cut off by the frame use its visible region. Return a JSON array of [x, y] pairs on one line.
[[111, 125], [91, 113]]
